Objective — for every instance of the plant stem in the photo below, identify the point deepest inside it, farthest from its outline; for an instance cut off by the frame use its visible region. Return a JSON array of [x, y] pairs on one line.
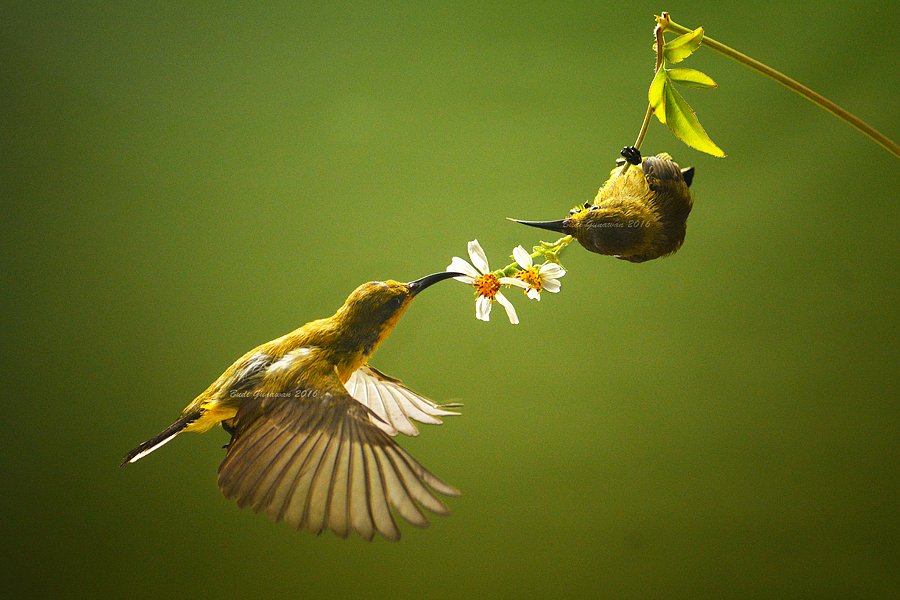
[[665, 22], [660, 42], [644, 126], [552, 249]]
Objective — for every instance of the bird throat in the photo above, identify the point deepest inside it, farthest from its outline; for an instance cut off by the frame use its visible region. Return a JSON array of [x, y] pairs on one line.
[[357, 344]]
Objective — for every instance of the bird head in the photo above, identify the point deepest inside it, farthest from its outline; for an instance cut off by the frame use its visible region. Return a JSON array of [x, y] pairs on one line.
[[380, 304]]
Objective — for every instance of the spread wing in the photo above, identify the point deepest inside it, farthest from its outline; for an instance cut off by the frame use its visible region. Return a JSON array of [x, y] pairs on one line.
[[315, 460], [393, 402]]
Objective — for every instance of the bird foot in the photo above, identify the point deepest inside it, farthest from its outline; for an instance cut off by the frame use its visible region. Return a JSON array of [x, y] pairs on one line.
[[631, 154], [578, 209], [230, 430]]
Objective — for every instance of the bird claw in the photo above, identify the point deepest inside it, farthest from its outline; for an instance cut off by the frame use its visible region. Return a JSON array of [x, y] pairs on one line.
[[228, 427], [578, 209], [631, 154]]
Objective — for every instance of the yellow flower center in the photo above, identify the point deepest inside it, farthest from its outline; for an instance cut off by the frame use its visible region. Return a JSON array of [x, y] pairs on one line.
[[487, 285], [531, 277]]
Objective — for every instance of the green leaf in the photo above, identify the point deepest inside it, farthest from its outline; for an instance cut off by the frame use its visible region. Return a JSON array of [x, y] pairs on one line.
[[682, 120], [657, 94], [692, 78], [683, 46]]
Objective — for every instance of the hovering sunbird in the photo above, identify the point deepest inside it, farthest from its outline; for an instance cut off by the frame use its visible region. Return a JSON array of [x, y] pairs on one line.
[[311, 423]]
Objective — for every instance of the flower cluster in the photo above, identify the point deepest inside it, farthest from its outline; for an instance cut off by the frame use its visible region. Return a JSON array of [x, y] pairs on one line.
[[531, 278]]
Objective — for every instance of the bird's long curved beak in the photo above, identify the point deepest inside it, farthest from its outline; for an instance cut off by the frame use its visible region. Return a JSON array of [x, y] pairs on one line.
[[420, 284], [549, 225]]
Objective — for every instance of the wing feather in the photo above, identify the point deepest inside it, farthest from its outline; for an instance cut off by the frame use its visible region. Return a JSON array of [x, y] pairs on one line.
[[317, 503], [388, 411], [265, 450], [338, 503], [378, 494], [360, 513], [273, 488], [266, 482], [249, 444], [294, 510], [414, 482], [399, 492], [395, 404], [320, 462]]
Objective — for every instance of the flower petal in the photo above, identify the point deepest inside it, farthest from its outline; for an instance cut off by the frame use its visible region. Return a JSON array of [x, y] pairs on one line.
[[483, 308], [533, 294], [479, 258], [510, 309], [458, 265], [551, 270], [522, 257], [551, 285], [513, 281]]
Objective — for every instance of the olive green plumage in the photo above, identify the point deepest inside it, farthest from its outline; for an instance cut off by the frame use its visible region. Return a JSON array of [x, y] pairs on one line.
[[311, 423], [637, 216]]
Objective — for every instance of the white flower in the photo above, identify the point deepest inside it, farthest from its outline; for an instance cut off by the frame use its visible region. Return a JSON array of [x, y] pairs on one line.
[[545, 278], [486, 284]]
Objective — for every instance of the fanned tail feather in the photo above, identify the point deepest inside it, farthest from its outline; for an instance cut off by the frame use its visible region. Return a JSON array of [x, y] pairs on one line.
[[162, 438]]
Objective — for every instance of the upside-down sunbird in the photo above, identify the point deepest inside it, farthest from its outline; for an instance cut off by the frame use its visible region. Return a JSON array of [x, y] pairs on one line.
[[311, 423], [638, 216]]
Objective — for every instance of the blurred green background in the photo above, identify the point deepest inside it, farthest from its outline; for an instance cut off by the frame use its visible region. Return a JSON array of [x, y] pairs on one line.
[[180, 184]]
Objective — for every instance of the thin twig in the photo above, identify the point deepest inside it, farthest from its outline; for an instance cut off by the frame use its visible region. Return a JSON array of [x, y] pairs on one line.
[[665, 22], [660, 42]]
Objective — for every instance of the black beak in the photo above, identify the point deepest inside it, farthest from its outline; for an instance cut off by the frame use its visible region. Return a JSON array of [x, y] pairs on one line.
[[420, 284], [559, 226], [688, 175]]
